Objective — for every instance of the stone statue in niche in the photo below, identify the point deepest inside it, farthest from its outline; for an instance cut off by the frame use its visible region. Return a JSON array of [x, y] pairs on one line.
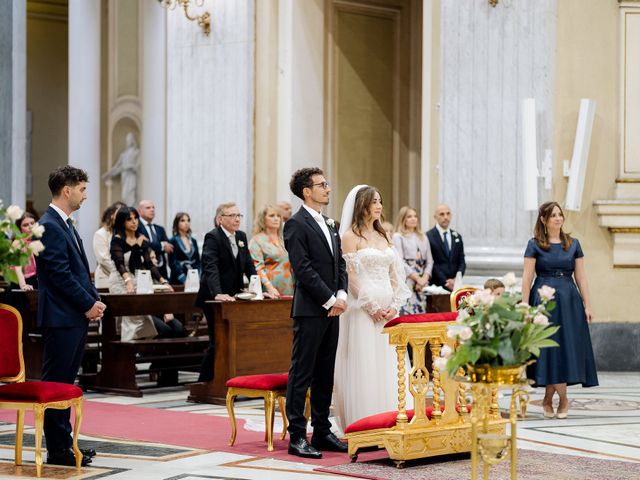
[[127, 169]]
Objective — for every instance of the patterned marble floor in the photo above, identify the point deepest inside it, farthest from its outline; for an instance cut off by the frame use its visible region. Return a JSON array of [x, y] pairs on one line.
[[604, 422]]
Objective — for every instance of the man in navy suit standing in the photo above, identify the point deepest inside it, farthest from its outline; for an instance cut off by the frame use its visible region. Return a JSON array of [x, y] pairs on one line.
[[447, 249], [156, 234], [67, 302], [319, 298]]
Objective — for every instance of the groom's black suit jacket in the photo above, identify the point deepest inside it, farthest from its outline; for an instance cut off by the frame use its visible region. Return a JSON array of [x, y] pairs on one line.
[[445, 267], [318, 272]]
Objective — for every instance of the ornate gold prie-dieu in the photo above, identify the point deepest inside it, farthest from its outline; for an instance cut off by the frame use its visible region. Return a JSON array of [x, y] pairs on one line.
[[486, 444], [203, 20], [37, 408], [445, 432]]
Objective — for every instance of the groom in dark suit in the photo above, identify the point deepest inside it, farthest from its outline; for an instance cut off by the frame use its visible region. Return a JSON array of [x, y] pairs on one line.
[[319, 298], [225, 262], [447, 249], [67, 302]]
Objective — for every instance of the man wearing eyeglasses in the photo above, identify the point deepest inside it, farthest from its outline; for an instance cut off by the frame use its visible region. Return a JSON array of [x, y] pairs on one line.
[[319, 298], [225, 261]]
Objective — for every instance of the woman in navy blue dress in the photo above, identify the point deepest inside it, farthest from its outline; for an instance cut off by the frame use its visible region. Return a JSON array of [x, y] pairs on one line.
[[556, 259]]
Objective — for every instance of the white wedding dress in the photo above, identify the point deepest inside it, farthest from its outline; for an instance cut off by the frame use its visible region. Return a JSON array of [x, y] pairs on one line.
[[366, 376]]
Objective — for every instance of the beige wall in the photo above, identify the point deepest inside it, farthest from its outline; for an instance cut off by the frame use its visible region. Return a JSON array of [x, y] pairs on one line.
[[47, 99], [587, 67]]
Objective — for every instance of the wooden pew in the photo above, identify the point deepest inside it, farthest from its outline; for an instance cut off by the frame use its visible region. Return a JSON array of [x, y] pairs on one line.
[[118, 372], [251, 337]]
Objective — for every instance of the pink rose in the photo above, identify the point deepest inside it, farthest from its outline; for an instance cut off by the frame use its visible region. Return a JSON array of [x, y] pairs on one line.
[[541, 319], [546, 292]]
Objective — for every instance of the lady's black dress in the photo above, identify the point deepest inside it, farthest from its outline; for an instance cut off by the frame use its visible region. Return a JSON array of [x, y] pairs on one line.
[[572, 362]]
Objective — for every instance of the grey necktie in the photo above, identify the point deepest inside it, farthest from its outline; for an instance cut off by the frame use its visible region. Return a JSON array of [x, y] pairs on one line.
[[74, 234], [234, 245]]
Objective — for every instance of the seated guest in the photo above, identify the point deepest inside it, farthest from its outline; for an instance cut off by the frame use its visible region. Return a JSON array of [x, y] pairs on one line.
[[27, 278], [285, 209], [102, 246], [130, 252], [269, 255], [414, 249], [225, 261], [495, 285], [185, 255], [447, 249], [156, 234]]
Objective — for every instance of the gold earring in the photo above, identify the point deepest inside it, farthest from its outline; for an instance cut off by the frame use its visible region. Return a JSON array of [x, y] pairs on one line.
[[545, 230]]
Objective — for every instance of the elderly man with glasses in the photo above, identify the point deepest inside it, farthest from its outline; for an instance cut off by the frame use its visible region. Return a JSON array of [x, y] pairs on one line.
[[225, 261]]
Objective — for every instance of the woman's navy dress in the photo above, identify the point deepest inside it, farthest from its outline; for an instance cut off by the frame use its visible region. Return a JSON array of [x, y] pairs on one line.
[[572, 362]]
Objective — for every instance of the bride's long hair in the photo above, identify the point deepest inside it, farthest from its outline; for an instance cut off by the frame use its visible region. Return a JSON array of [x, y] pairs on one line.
[[362, 211]]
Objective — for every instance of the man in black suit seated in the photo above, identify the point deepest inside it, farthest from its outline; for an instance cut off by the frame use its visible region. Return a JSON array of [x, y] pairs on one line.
[[67, 302], [225, 262], [447, 249], [156, 234]]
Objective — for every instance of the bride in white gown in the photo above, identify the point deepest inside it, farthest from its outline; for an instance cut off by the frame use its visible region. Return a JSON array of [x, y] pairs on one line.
[[365, 374]]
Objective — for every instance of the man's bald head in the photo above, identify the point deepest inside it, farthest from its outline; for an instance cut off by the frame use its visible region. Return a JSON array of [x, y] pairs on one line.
[[285, 209], [147, 210], [443, 215]]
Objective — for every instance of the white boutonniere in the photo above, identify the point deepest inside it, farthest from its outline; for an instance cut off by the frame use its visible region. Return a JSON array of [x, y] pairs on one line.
[[331, 223], [454, 234], [240, 243]]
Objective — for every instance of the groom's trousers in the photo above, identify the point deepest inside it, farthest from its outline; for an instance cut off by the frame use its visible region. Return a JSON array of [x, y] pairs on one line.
[[315, 340]]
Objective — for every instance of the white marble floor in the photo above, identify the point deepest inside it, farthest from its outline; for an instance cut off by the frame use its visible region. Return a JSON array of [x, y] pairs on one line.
[[604, 422]]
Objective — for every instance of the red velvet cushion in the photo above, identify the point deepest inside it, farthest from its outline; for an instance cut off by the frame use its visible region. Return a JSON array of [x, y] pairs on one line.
[[40, 392], [9, 342], [387, 419], [424, 317], [267, 381]]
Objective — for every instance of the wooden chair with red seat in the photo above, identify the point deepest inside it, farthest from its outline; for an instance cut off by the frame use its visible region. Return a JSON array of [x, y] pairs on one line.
[[17, 394], [270, 386], [460, 294]]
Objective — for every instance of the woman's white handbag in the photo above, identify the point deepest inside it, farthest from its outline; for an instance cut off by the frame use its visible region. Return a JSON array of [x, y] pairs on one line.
[[144, 282], [192, 282]]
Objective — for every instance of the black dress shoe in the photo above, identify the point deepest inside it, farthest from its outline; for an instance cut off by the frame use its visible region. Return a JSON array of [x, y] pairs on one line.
[[301, 448], [88, 452], [329, 443], [66, 457]]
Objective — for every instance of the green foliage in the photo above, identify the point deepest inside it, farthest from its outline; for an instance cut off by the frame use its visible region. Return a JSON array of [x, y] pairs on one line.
[[15, 247], [500, 331]]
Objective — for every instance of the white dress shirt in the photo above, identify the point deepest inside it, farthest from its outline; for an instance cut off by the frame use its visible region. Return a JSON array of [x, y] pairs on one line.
[[317, 216]]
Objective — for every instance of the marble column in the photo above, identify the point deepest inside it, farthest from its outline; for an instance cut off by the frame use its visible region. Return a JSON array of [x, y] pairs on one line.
[[152, 172], [13, 109], [210, 113], [84, 109], [493, 58]]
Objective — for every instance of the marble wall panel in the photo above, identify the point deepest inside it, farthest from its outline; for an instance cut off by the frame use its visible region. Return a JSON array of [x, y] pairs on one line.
[[492, 58], [210, 92]]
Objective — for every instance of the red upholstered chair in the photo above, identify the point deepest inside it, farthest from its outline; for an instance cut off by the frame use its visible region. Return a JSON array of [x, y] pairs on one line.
[[19, 395], [271, 387], [458, 295]]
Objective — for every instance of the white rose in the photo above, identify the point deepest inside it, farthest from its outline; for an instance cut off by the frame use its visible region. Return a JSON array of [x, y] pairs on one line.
[[462, 316], [331, 222], [452, 332], [465, 333], [446, 351], [240, 243], [16, 245], [483, 297], [440, 363], [37, 230], [14, 212], [546, 292], [36, 247], [510, 280], [541, 319]]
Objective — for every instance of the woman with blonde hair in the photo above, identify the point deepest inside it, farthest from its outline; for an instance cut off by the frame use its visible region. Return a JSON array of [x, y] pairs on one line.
[[268, 253], [413, 247]]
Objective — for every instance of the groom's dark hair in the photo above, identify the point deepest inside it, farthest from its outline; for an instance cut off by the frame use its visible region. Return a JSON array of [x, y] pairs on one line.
[[301, 179]]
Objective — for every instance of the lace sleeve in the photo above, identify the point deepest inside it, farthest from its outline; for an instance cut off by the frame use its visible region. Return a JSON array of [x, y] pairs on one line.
[[357, 289], [401, 292]]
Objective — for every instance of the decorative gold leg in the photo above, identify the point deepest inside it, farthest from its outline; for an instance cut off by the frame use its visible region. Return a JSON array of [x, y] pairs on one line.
[[38, 413], [269, 407], [19, 436], [76, 431], [437, 386], [402, 418], [284, 417], [495, 407], [230, 399]]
